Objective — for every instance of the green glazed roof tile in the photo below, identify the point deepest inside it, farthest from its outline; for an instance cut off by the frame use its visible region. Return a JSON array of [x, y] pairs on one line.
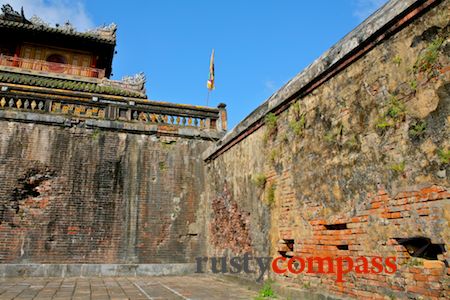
[[66, 84]]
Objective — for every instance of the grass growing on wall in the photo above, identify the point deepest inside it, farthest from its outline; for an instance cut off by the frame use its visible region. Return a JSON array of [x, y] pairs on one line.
[[259, 179], [271, 126], [270, 194]]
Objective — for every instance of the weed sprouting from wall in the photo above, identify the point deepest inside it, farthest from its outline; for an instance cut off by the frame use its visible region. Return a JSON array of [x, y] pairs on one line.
[[395, 113], [427, 62], [266, 291], [259, 179], [397, 60], [444, 156], [396, 109], [298, 122], [399, 167], [417, 129], [96, 133], [270, 194], [271, 126]]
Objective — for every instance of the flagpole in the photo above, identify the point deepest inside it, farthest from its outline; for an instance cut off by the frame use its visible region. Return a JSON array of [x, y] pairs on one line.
[[210, 82]]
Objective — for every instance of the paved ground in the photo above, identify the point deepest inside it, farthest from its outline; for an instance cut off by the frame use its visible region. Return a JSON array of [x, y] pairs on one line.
[[99, 288]]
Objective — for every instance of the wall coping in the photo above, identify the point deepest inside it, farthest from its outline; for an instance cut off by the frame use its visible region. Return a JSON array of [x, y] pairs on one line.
[[383, 23]]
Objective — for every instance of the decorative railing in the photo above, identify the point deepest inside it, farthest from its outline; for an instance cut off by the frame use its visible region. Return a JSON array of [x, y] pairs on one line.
[[57, 107], [169, 115], [51, 67], [199, 121]]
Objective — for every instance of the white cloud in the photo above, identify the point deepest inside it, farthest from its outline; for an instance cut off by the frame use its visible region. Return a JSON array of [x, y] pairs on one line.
[[364, 8], [55, 11], [270, 86]]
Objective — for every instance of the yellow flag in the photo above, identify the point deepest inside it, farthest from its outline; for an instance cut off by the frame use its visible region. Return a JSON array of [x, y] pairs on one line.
[[210, 82]]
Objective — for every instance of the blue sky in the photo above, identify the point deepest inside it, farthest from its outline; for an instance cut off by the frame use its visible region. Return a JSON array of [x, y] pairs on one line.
[[259, 45]]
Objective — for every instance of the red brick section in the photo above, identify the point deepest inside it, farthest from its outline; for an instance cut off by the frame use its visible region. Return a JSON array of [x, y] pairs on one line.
[[229, 227], [428, 278]]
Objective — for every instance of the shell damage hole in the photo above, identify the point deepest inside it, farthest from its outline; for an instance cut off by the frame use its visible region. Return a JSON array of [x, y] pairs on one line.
[[28, 183], [421, 247], [27, 186], [287, 248]]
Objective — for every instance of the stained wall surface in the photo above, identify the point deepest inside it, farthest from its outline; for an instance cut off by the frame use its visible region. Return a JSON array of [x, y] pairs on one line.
[[354, 167], [77, 195]]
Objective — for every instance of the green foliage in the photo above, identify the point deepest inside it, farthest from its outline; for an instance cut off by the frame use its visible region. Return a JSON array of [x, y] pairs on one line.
[[413, 84], [399, 168], [383, 123], [271, 125], [444, 156], [95, 133], [273, 155], [397, 60], [332, 135], [396, 108], [259, 180], [414, 262], [427, 61], [162, 165], [395, 113], [271, 121], [417, 129], [352, 142], [297, 126], [329, 137], [296, 109], [270, 194], [266, 291]]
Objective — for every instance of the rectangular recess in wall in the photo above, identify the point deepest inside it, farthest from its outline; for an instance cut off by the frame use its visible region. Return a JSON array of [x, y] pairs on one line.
[[342, 247], [336, 226]]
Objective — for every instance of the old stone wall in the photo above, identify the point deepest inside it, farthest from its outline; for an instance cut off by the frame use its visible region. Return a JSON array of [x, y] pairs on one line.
[[78, 195], [354, 167]]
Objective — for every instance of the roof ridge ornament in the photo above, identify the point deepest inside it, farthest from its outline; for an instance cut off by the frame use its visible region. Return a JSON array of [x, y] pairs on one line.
[[9, 14], [68, 27], [104, 30], [37, 21], [7, 9], [136, 79], [133, 83], [107, 32]]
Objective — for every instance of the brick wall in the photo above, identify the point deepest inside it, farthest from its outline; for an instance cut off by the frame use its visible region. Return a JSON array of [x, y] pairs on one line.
[[85, 195], [357, 166]]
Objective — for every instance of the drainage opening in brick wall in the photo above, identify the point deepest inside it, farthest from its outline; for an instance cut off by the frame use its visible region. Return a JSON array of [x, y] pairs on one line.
[[421, 247]]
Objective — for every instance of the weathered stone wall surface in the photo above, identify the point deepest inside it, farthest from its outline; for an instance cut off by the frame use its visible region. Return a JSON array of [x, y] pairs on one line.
[[348, 169], [77, 195]]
